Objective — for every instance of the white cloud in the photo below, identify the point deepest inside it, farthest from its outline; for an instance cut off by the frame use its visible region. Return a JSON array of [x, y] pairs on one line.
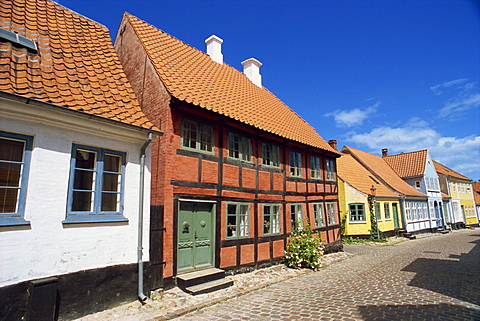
[[437, 89], [459, 104], [353, 117], [460, 154], [463, 96]]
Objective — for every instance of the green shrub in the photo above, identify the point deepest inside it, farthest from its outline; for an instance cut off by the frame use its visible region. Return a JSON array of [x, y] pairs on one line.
[[304, 250]]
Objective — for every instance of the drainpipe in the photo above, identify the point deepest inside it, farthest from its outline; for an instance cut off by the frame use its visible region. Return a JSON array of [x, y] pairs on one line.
[[141, 295]]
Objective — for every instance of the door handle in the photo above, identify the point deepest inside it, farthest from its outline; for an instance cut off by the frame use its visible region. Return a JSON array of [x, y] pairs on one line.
[[196, 235]]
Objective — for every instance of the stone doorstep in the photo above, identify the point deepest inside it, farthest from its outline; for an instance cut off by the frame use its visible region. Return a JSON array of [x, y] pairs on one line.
[[209, 286], [203, 281]]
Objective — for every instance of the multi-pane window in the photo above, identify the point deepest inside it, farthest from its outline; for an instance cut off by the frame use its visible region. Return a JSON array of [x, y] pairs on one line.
[[239, 147], [271, 219], [15, 153], [408, 213], [424, 210], [295, 164], [357, 212], [315, 172], [197, 136], [331, 214], [96, 184], [270, 155], [296, 219], [386, 210], [330, 170], [378, 215], [318, 213], [238, 220]]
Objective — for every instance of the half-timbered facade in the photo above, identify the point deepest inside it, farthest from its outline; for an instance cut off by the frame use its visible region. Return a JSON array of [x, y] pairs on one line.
[[237, 169]]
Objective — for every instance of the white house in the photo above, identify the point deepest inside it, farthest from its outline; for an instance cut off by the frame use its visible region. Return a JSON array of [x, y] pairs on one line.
[[74, 167]]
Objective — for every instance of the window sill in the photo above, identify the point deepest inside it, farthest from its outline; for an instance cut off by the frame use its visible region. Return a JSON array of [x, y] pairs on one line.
[[358, 222], [13, 221], [81, 219]]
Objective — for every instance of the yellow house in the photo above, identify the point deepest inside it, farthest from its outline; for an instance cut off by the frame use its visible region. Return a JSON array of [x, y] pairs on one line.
[[460, 189], [355, 186]]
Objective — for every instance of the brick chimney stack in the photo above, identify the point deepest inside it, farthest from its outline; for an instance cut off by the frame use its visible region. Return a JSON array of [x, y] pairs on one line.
[[333, 144], [384, 152]]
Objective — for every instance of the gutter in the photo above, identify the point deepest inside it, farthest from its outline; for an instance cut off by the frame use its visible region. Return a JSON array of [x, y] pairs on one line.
[[141, 295]]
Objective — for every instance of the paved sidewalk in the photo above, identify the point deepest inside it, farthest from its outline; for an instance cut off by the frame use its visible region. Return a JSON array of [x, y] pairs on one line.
[[166, 305], [431, 278]]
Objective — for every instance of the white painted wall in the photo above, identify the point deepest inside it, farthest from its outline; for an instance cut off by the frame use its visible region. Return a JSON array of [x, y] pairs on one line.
[[48, 247]]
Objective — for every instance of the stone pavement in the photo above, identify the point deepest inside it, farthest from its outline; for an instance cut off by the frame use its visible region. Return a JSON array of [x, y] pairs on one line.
[[431, 278]]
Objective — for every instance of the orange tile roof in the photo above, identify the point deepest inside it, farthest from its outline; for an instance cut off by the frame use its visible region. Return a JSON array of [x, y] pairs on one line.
[[410, 164], [76, 65], [353, 173], [190, 75], [442, 169], [378, 165]]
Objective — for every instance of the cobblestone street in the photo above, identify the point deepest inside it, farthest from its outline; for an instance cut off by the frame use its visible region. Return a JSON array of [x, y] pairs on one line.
[[433, 278]]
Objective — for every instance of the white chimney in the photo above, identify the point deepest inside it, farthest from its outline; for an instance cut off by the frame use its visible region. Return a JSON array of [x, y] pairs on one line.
[[251, 68], [214, 48]]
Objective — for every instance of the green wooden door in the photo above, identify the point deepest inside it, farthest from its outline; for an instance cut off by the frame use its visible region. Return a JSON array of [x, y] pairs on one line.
[[396, 222], [195, 236]]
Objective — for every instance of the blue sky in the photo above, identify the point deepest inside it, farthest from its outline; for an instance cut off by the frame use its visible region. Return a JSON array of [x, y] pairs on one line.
[[402, 75]]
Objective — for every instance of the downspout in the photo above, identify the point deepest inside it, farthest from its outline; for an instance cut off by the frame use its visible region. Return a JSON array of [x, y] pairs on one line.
[[141, 295]]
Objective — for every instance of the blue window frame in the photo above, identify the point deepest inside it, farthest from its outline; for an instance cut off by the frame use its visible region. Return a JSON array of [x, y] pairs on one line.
[[96, 187], [15, 154]]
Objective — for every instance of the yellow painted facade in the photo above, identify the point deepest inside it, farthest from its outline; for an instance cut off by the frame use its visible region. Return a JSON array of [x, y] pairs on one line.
[[462, 192], [360, 225]]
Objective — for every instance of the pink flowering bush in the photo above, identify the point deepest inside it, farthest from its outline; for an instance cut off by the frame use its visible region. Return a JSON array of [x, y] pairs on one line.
[[304, 250]]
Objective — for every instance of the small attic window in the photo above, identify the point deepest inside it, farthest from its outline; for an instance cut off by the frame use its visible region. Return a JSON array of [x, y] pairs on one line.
[[17, 39]]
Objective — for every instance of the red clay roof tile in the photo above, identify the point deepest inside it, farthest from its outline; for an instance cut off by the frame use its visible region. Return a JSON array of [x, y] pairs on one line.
[[410, 164], [65, 62], [190, 75]]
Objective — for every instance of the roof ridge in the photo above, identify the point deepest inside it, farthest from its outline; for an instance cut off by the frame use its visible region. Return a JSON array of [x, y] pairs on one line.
[[81, 15]]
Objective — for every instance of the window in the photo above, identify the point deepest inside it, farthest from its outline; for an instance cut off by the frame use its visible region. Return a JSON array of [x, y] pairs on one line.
[[295, 164], [296, 219], [417, 185], [386, 210], [19, 40], [315, 172], [197, 136], [424, 210], [271, 219], [238, 220], [271, 155], [96, 185], [357, 212], [331, 214], [378, 215], [239, 147], [318, 213], [408, 213], [330, 170], [15, 152]]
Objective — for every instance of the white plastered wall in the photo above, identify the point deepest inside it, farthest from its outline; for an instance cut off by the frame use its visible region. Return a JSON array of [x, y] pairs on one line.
[[49, 247]]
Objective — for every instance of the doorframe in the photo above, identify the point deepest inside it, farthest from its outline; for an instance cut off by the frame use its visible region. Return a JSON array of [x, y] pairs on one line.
[[176, 211]]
